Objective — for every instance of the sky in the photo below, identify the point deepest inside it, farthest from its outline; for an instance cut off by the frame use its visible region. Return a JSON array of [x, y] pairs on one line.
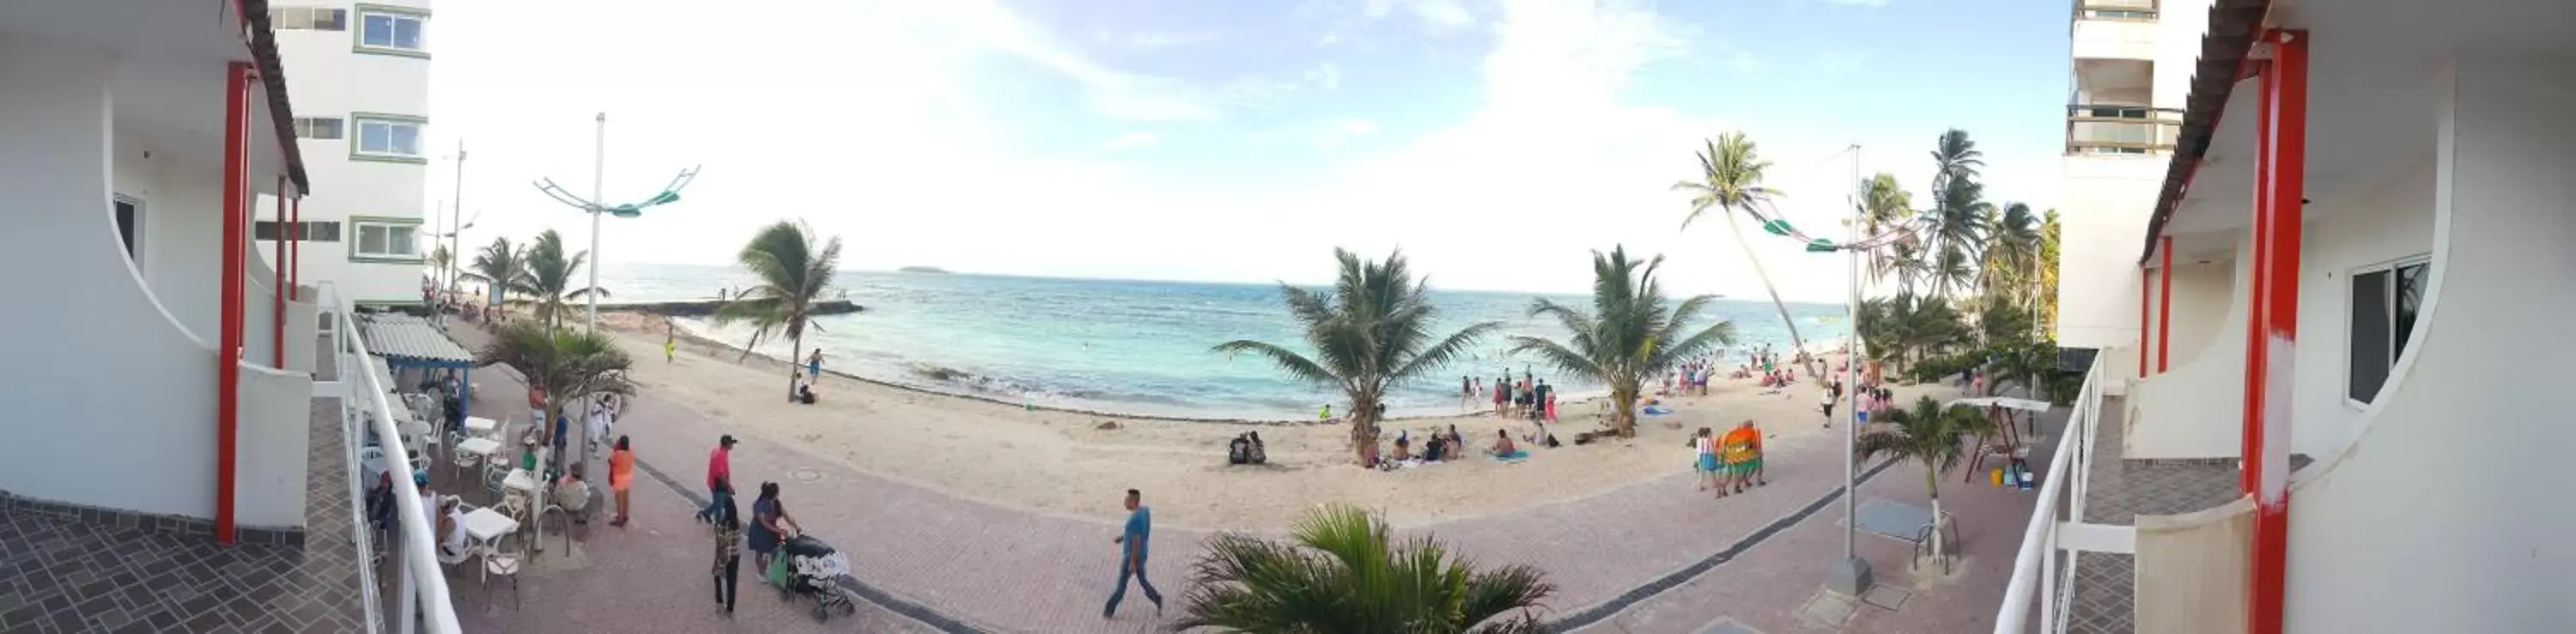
[[1496, 142]]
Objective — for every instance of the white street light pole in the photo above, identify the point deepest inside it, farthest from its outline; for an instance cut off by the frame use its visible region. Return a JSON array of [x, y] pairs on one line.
[[455, 221], [1851, 577], [598, 183]]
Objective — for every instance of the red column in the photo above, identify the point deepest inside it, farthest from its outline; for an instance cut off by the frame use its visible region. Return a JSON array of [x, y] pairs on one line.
[[277, 320], [2283, 159], [235, 249], [2145, 277], [2164, 304], [295, 249]]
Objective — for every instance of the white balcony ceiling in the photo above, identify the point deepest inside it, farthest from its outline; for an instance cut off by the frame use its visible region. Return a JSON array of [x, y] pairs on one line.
[[2371, 98], [169, 74]]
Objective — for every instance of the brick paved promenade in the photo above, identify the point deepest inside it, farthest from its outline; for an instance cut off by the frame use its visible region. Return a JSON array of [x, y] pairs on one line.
[[962, 564]]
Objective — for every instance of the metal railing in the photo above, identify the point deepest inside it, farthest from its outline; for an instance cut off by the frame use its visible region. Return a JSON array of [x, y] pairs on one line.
[[2133, 10], [423, 596], [2058, 517], [2121, 129]]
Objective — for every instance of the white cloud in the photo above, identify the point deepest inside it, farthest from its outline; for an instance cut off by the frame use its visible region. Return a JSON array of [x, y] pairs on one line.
[[1858, 3], [1326, 76], [1333, 135], [1159, 40], [1437, 15]]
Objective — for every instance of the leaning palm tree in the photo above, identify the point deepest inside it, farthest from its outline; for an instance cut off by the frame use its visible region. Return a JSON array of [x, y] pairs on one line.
[[501, 265], [566, 365], [1371, 334], [1341, 571], [793, 271], [1631, 336], [549, 281], [1928, 434], [1730, 180], [2011, 249]]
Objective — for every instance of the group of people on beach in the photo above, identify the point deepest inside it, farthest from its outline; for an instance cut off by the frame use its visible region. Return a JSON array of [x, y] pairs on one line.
[[1530, 398], [1731, 462]]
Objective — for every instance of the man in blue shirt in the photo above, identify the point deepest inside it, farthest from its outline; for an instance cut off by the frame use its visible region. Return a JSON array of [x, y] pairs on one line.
[[1131, 554]]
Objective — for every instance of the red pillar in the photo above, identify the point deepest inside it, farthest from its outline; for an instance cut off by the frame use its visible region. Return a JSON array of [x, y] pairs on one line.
[[2283, 161], [2164, 304], [295, 249], [277, 318], [235, 249], [2145, 277]]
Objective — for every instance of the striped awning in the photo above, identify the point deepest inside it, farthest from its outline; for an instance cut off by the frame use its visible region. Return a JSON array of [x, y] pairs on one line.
[[408, 341]]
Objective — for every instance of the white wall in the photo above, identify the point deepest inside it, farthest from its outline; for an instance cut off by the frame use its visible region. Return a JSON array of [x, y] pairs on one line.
[[273, 442], [2196, 409], [327, 79], [2448, 514], [111, 403], [2103, 209], [2201, 294], [2179, 27], [2393, 222], [183, 221], [2114, 39]]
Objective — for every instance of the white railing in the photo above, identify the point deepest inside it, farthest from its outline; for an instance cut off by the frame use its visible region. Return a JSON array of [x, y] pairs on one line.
[[423, 596], [2056, 524]]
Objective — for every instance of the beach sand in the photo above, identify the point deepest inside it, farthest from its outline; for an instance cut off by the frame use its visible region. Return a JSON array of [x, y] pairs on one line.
[[1066, 463]]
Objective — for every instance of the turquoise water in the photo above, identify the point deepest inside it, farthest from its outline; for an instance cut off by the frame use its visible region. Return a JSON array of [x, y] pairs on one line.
[[1130, 346]]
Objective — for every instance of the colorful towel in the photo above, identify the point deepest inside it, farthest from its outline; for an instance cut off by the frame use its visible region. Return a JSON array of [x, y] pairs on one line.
[[1516, 455]]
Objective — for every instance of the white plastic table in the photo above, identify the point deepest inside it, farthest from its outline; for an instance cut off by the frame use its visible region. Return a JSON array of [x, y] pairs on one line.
[[521, 479], [482, 447], [481, 427], [483, 531]]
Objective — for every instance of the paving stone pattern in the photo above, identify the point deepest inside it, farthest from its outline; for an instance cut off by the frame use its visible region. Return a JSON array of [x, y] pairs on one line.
[[69, 574], [2120, 490]]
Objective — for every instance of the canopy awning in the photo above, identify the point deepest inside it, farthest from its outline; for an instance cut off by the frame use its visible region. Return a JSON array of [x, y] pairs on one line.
[[406, 341]]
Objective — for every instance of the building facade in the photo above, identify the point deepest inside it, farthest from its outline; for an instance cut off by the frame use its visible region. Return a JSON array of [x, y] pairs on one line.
[[361, 92]]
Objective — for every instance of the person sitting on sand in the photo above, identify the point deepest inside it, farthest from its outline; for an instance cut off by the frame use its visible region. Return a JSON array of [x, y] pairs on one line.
[[1239, 450], [1436, 448], [1457, 443], [1403, 448], [1503, 444], [1259, 455]]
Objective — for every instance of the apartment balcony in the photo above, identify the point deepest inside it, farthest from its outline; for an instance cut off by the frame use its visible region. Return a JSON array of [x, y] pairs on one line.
[[2115, 29], [2121, 129]]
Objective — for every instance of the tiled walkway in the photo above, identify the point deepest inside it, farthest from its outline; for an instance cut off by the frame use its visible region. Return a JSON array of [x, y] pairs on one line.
[[969, 566], [103, 575], [2116, 493]]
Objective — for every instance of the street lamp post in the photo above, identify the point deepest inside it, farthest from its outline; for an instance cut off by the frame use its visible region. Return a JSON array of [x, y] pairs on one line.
[[595, 207], [1851, 577]]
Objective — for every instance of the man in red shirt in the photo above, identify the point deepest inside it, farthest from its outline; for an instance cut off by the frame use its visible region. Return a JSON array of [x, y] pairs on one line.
[[719, 478]]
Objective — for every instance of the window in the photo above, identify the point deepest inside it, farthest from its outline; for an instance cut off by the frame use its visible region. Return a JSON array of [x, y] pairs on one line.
[[391, 30], [386, 239], [308, 18], [314, 231], [387, 137], [2385, 301], [129, 226], [317, 127]]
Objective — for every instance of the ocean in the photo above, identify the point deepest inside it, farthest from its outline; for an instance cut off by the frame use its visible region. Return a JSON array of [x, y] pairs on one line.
[[1133, 347]]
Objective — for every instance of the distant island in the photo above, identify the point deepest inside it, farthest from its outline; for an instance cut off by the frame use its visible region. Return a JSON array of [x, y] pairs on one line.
[[921, 269]]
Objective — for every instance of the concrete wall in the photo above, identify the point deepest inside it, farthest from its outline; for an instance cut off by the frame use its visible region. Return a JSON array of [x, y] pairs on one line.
[[2103, 209], [182, 228], [2190, 570], [2202, 294], [112, 401], [2390, 223], [327, 79], [2196, 409], [2447, 514], [273, 441], [2114, 39], [2179, 27]]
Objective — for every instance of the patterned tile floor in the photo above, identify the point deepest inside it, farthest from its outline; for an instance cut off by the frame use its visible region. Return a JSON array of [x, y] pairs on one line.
[[65, 576], [2119, 491]]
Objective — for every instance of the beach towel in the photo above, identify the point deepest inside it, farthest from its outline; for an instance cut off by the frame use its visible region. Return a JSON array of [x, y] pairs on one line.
[[1655, 410], [1516, 455]]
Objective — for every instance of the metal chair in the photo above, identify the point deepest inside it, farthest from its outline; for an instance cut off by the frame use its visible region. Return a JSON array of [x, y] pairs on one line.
[[505, 564]]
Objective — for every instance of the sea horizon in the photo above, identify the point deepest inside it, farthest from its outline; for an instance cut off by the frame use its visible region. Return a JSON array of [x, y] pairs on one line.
[[1136, 347]]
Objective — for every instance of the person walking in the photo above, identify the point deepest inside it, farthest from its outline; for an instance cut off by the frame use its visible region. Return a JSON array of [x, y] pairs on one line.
[[719, 478], [728, 564], [814, 365], [670, 340], [621, 476], [1131, 555], [770, 524]]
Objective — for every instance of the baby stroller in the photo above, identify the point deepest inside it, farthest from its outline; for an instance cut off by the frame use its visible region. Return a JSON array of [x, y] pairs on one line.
[[812, 567]]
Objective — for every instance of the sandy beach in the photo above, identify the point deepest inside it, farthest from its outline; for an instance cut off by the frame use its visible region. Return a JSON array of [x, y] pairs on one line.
[[1065, 463]]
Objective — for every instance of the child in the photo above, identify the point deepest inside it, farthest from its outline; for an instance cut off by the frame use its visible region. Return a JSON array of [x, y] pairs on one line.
[[1706, 445], [728, 563]]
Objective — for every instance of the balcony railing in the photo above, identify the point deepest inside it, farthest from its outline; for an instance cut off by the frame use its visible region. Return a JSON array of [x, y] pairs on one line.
[[2131, 10], [2121, 129], [2056, 525], [423, 597]]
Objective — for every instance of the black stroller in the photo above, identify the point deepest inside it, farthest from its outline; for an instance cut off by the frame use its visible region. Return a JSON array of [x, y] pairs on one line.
[[813, 568]]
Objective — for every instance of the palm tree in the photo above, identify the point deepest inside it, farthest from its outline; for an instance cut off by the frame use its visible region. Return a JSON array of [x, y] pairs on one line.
[[1631, 336], [1953, 269], [1339, 571], [550, 277], [1954, 158], [793, 273], [1730, 181], [1370, 334], [501, 265], [565, 365], [439, 259], [1958, 205], [2045, 282], [2011, 249], [1884, 205], [1928, 434]]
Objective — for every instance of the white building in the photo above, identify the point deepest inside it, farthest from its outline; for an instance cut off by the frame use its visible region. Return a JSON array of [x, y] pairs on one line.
[[2357, 252], [362, 104]]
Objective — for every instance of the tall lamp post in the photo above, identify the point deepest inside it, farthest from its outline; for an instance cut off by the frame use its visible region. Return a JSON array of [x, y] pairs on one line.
[[1851, 576], [595, 207]]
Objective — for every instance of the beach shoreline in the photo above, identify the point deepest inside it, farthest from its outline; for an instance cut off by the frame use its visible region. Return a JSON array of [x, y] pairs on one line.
[[1062, 462]]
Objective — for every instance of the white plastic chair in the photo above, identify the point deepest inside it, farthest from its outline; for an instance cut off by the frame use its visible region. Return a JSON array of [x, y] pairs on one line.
[[505, 564]]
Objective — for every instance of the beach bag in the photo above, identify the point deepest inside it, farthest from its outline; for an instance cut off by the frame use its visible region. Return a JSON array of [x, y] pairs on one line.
[[1238, 452], [777, 572]]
